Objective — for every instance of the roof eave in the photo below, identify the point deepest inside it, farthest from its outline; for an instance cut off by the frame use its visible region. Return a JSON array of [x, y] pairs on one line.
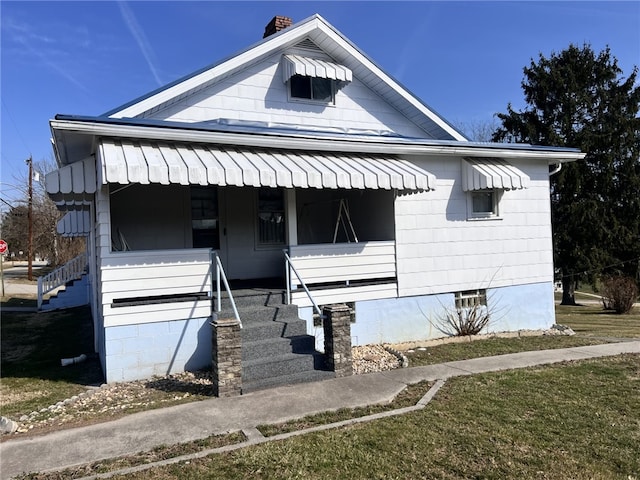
[[312, 27], [92, 128], [210, 72]]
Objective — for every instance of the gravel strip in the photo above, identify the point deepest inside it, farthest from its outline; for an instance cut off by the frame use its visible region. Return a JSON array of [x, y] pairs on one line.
[[114, 400]]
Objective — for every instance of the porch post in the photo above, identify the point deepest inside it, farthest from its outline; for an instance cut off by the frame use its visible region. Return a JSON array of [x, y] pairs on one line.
[[292, 216], [227, 357], [337, 339]]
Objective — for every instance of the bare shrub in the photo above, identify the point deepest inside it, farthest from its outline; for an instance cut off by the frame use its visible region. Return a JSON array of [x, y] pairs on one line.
[[465, 321], [619, 293]]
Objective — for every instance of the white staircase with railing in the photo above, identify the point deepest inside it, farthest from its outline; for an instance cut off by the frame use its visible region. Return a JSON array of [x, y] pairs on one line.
[[73, 277]]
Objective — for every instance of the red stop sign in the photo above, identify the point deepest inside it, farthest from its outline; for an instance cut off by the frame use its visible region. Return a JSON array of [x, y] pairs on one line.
[[3, 246]]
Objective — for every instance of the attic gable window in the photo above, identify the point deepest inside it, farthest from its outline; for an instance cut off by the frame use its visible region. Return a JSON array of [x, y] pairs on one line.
[[313, 78], [311, 88]]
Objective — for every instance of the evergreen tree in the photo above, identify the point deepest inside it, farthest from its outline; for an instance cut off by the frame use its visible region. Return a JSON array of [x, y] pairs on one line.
[[580, 99]]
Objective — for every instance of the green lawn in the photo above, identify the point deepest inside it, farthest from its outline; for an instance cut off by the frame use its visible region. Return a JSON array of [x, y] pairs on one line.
[[33, 344], [493, 346], [579, 420], [592, 321]]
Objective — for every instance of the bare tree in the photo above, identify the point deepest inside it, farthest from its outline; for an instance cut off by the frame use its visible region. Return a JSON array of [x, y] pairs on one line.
[[478, 130]]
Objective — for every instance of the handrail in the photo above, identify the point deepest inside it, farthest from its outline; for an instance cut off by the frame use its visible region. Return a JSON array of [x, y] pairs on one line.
[[289, 265], [221, 274], [71, 270]]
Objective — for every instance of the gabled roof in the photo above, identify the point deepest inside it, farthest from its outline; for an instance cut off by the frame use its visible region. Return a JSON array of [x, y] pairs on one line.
[[332, 42]]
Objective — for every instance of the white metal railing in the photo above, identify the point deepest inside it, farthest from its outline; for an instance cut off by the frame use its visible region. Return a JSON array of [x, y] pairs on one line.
[[71, 270], [288, 268], [221, 275]]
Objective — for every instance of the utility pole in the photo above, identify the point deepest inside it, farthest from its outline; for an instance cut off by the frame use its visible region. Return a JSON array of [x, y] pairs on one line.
[[30, 220]]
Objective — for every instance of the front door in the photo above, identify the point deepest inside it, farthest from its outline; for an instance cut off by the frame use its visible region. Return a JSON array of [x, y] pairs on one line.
[[252, 232]]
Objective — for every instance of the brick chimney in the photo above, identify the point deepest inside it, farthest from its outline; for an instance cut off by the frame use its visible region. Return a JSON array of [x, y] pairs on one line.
[[276, 24]]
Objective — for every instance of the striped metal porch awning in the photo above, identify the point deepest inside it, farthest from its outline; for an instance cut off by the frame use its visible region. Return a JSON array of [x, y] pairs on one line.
[[126, 162], [492, 173], [74, 183], [75, 223]]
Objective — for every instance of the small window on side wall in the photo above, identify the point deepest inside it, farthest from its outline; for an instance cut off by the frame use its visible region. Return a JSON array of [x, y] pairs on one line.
[[484, 204], [471, 299], [311, 88]]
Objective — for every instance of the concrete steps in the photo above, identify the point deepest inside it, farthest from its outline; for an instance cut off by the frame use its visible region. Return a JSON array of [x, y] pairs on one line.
[[276, 349], [74, 294]]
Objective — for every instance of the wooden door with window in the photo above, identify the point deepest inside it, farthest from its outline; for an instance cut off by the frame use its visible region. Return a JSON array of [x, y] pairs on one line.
[[253, 232]]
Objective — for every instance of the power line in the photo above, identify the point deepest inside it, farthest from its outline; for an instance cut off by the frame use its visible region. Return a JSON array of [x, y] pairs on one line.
[[15, 126], [601, 268]]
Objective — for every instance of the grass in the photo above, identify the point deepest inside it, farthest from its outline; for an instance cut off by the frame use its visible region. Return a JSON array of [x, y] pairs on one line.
[[31, 348], [32, 345], [407, 398], [580, 420], [493, 346], [157, 454], [18, 302], [577, 420], [593, 321]]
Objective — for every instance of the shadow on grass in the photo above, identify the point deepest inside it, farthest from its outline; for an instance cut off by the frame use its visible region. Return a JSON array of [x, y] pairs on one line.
[[18, 302], [32, 345]]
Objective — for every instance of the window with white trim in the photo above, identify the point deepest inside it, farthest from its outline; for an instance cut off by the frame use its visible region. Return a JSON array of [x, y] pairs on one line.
[[484, 204]]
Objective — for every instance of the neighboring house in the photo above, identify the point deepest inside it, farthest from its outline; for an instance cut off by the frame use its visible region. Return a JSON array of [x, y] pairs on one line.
[[300, 143]]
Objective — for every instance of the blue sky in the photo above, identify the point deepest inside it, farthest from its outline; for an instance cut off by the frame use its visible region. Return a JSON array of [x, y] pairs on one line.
[[464, 59]]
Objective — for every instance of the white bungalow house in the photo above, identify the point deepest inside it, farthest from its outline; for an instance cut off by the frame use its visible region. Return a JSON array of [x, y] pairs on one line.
[[298, 160]]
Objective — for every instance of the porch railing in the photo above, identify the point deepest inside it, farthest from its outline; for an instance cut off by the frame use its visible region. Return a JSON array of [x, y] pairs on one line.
[[221, 275], [72, 270], [346, 272], [290, 268]]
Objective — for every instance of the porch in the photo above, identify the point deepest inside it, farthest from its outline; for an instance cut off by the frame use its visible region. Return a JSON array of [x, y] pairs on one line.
[[158, 307], [143, 286]]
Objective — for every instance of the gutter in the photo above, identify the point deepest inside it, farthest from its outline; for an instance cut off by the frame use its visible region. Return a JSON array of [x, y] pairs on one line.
[[304, 141], [557, 168]]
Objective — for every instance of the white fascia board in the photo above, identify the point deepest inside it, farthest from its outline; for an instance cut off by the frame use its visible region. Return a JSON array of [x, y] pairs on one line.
[[307, 143], [282, 38]]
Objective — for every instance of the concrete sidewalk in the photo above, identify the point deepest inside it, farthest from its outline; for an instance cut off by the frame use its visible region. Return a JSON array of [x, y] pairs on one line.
[[183, 423]]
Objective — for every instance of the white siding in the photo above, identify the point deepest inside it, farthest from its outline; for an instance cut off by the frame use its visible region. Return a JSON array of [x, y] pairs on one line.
[[101, 249], [343, 262], [129, 275], [259, 94], [439, 250]]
